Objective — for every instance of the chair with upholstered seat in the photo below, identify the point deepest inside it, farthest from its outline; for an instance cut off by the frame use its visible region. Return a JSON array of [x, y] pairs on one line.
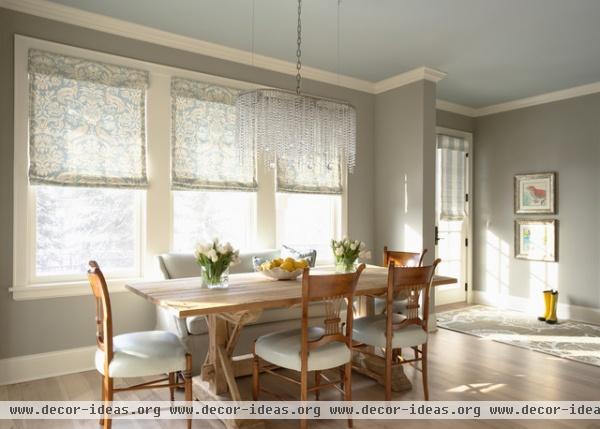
[[137, 354], [392, 331], [400, 259], [317, 348]]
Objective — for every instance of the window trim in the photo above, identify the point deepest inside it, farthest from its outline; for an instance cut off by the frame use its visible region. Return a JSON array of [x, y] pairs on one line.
[[157, 204]]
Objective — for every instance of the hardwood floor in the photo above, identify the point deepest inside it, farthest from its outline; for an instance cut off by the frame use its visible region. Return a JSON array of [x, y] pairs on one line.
[[462, 367]]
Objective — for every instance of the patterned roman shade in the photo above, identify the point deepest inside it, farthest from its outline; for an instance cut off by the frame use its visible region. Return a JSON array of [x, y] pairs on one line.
[[205, 154], [86, 122], [312, 176], [452, 151]]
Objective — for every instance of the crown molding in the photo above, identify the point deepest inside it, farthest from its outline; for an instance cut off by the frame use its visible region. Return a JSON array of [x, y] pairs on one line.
[[94, 21], [548, 97], [455, 108], [415, 75]]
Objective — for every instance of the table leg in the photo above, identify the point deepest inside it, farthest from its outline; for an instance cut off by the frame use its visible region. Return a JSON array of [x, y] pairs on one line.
[[218, 373]]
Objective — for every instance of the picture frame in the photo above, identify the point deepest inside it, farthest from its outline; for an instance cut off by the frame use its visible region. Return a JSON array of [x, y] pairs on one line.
[[536, 239], [535, 193]]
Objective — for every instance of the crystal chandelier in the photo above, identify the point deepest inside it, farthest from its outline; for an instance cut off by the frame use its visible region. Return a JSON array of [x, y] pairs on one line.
[[303, 130]]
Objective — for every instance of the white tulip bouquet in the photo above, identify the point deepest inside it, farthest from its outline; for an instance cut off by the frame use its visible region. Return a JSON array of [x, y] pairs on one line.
[[215, 258], [346, 253]]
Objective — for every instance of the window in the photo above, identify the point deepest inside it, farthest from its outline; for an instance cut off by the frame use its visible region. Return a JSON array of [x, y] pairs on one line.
[[94, 179], [309, 221], [309, 203], [213, 177], [201, 216], [74, 225], [81, 169]]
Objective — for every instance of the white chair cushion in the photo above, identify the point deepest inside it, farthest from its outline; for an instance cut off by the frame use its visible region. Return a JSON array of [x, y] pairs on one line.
[[139, 354], [371, 330], [398, 306], [283, 349]]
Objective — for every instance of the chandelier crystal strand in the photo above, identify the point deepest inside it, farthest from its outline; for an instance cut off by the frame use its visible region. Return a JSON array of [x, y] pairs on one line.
[[303, 131]]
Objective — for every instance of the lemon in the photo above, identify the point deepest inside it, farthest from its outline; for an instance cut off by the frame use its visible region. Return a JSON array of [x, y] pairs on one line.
[[276, 262], [265, 266], [301, 263], [288, 266], [291, 260]]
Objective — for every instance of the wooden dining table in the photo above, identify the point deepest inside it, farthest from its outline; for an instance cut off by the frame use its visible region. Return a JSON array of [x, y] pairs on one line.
[[228, 310]]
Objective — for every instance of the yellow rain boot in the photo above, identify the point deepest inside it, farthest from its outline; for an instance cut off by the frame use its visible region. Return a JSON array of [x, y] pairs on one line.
[[551, 317], [547, 301]]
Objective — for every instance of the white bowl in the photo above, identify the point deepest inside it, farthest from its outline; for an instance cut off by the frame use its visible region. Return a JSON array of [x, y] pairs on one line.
[[279, 274]]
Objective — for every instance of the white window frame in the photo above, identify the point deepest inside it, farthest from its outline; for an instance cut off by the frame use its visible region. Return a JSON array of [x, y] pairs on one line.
[[156, 203]]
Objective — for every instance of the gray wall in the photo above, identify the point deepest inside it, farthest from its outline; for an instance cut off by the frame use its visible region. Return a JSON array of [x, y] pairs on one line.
[[454, 121], [54, 324], [405, 167], [564, 137]]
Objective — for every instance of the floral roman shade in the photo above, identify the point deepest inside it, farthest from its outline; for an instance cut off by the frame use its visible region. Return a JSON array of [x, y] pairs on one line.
[[312, 176], [453, 160], [205, 153], [86, 122]]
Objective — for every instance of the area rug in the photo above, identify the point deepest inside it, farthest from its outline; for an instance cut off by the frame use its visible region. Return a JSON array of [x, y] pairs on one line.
[[567, 339]]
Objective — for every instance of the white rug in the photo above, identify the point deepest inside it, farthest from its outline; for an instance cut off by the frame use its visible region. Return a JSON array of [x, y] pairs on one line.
[[567, 339]]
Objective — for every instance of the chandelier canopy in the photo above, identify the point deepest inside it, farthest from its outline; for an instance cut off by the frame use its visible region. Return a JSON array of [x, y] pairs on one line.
[[303, 130]]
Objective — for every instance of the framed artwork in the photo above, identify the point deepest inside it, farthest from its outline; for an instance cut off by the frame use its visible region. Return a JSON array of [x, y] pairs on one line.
[[534, 193], [536, 240]]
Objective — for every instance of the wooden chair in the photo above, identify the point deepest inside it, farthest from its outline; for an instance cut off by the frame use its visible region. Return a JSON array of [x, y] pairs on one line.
[[392, 331], [137, 354], [400, 259], [403, 259], [313, 349]]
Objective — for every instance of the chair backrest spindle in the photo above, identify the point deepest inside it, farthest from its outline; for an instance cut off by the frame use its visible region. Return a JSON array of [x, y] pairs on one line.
[[332, 290]]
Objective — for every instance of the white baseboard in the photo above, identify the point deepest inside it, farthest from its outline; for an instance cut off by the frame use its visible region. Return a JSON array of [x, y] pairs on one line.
[[43, 365], [534, 307]]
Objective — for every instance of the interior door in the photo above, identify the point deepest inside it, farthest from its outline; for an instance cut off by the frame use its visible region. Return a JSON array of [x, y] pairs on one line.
[[452, 214]]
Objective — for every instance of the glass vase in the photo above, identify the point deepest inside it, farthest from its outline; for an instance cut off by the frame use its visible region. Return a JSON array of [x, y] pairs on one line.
[[214, 279], [343, 266]]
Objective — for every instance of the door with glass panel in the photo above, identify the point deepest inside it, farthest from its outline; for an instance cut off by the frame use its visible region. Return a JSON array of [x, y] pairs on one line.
[[453, 225]]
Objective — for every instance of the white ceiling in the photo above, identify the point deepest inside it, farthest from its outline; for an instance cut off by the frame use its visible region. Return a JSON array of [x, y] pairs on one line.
[[492, 50]]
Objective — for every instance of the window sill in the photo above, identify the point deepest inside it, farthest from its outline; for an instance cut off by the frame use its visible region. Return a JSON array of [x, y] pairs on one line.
[[65, 289]]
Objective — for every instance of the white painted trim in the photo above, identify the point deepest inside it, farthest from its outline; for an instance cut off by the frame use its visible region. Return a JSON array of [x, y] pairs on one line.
[[455, 108], [94, 21], [469, 262], [43, 365], [525, 305], [415, 75], [549, 97], [131, 30]]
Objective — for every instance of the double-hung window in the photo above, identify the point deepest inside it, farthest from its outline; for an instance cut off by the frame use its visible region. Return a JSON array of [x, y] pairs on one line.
[[87, 167], [99, 137], [213, 178], [309, 203]]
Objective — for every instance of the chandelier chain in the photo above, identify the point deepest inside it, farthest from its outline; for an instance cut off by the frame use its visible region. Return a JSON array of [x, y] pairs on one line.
[[299, 48]]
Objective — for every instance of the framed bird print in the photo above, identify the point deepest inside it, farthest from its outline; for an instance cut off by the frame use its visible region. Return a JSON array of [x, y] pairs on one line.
[[535, 193], [536, 239]]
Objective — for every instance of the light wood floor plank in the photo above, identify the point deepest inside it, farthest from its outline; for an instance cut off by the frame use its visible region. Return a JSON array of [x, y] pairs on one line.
[[462, 367]]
